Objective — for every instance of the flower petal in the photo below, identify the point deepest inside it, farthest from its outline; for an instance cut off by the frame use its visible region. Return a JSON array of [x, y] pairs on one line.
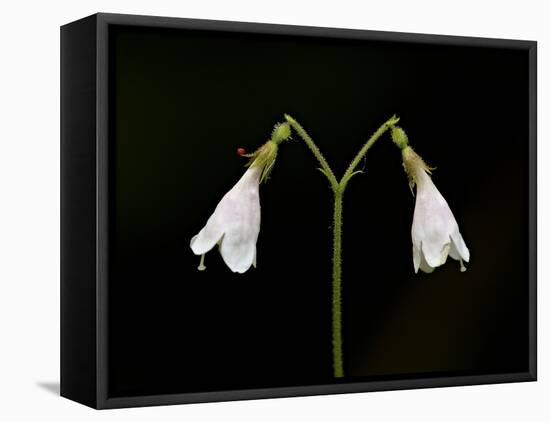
[[433, 222], [436, 254], [424, 266], [417, 257], [235, 221], [242, 215], [238, 255], [209, 236], [458, 248]]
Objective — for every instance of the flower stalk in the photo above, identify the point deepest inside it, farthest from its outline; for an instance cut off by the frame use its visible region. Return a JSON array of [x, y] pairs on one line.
[[338, 188], [325, 168], [337, 353]]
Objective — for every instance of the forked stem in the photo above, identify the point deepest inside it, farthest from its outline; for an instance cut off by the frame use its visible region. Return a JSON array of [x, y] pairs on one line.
[[355, 162], [338, 188], [325, 168]]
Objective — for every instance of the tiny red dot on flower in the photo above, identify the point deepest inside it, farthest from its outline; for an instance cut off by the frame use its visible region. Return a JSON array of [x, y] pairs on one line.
[[241, 151]]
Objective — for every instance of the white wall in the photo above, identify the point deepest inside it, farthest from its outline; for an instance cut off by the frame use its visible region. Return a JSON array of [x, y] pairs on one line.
[[29, 209]]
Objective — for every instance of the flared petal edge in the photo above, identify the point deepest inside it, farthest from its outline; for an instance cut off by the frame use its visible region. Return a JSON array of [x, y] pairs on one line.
[[417, 252], [207, 238], [458, 248], [238, 256], [436, 253]]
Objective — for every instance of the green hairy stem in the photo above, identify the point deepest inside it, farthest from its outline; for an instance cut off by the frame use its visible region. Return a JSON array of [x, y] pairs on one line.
[[337, 354], [338, 188]]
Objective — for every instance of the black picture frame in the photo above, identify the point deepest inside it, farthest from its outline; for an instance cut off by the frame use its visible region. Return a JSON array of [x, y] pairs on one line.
[[85, 218]]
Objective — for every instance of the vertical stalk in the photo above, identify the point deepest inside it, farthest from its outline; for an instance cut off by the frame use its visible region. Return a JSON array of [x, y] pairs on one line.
[[338, 187], [337, 350]]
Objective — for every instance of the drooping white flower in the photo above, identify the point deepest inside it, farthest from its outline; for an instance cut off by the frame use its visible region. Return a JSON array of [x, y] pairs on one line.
[[235, 224], [435, 233]]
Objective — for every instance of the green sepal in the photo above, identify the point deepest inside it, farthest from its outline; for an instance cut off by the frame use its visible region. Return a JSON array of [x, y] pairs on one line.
[[264, 158]]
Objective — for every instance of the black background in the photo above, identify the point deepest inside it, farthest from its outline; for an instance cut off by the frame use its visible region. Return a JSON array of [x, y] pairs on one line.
[[181, 104]]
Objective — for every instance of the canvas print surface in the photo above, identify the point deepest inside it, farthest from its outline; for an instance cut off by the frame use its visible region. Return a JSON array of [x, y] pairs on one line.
[[293, 211]]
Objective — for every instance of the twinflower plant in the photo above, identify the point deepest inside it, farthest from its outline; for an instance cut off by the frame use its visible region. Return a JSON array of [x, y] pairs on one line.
[[235, 224]]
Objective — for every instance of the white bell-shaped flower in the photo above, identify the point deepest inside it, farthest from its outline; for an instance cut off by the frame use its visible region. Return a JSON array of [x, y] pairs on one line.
[[435, 233], [235, 224]]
